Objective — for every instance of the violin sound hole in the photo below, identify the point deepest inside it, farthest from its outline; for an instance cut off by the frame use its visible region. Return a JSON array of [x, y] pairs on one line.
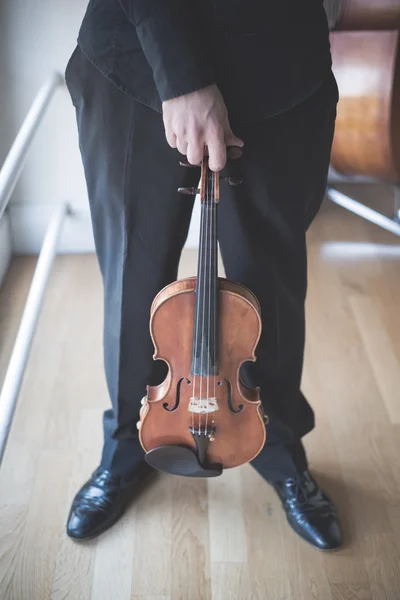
[[228, 385], [178, 395]]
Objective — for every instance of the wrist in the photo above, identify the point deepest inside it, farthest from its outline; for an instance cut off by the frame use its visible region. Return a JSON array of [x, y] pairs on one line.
[[211, 88]]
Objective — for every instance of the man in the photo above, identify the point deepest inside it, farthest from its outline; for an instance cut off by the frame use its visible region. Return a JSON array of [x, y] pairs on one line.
[[152, 80]]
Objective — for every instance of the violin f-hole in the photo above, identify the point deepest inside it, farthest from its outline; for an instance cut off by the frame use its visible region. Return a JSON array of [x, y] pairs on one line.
[[178, 395], [229, 388]]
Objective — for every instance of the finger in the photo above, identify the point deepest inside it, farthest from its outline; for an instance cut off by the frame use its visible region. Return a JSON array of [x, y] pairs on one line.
[[171, 138], [216, 153], [182, 146], [232, 140], [195, 153]]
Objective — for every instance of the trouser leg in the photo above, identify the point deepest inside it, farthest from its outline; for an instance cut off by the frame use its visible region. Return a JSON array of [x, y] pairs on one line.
[[140, 225], [262, 235]]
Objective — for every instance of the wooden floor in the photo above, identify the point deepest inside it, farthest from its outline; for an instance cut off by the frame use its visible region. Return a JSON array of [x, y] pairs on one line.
[[225, 539]]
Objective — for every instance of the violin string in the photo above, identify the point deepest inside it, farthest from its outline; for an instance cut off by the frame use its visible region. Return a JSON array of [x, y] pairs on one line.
[[204, 295], [211, 209], [212, 262], [196, 334], [207, 266], [209, 220], [201, 294], [216, 295]]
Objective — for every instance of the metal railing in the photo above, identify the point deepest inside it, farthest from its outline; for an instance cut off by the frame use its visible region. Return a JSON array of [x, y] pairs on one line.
[[9, 175], [356, 207]]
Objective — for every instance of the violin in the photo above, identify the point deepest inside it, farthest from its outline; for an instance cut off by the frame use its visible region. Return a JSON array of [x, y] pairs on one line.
[[202, 419]]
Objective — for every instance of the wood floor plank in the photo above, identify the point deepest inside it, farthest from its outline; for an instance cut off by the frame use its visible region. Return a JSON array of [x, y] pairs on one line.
[[13, 296], [304, 569], [231, 581], [349, 396], [151, 572], [382, 358], [12, 528], [74, 565], [345, 570], [190, 558], [351, 591], [394, 516], [263, 519], [115, 554], [151, 598], [21, 495], [382, 560], [226, 515], [34, 569]]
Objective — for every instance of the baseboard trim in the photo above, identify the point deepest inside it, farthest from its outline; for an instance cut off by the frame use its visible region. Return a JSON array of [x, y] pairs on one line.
[[29, 224]]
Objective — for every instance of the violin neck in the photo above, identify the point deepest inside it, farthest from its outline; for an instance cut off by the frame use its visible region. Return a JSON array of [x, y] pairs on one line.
[[205, 338]]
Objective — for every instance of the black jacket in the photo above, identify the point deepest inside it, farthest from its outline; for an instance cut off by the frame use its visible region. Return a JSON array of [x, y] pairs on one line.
[[265, 55]]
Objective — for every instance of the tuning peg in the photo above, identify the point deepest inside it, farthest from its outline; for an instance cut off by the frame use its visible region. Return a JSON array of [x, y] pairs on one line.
[[190, 191], [233, 180], [234, 152], [186, 163]]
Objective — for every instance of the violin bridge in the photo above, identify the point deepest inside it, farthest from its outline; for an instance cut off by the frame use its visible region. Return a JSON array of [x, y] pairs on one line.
[[203, 405]]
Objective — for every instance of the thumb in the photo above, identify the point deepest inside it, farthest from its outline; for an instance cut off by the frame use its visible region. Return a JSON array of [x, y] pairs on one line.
[[232, 140]]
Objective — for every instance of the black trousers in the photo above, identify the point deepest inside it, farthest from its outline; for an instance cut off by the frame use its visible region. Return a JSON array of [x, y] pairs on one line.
[[140, 225]]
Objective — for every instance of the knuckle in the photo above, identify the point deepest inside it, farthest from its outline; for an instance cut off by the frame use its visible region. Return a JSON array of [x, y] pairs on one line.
[[215, 126], [180, 135], [194, 136]]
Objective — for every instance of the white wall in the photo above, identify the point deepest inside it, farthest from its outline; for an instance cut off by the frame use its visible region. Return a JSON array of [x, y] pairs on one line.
[[36, 38]]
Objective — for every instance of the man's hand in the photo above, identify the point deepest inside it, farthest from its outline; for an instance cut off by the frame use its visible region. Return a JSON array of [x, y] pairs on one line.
[[196, 120]]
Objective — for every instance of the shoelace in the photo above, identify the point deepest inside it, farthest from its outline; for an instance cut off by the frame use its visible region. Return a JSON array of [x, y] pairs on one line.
[[306, 493], [102, 502]]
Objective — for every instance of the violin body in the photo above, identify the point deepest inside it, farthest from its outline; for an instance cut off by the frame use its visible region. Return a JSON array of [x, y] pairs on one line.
[[172, 408]]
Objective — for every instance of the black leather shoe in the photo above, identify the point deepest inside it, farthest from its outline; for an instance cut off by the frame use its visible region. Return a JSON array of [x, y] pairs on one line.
[[309, 511], [102, 500]]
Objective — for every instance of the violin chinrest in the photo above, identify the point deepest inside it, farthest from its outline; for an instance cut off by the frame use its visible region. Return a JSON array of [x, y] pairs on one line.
[[180, 460]]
